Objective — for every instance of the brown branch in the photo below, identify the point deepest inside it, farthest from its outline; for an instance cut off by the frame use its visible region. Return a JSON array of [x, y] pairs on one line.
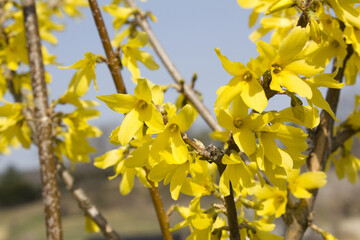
[[112, 61], [160, 212], [85, 203], [175, 74], [215, 155], [299, 217], [50, 192], [341, 137], [114, 68]]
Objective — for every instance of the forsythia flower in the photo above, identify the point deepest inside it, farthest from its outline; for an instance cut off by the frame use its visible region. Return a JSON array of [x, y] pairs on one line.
[[245, 83], [286, 64], [236, 172], [240, 123], [299, 185], [171, 136], [139, 110], [274, 201]]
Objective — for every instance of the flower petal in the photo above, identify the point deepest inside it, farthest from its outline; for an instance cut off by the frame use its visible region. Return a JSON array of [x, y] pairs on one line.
[[254, 96], [302, 68], [142, 90], [245, 139], [233, 68], [295, 84], [129, 127], [185, 117], [178, 148], [229, 92], [292, 44], [224, 118], [118, 102]]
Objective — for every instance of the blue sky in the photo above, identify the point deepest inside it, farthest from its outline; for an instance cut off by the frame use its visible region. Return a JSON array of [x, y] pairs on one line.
[[189, 31]]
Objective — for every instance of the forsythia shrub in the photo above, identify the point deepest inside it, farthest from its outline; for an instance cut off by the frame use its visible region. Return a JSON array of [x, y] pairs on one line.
[[259, 167]]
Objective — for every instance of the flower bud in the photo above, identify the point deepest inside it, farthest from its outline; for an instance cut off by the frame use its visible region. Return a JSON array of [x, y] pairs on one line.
[[280, 5]]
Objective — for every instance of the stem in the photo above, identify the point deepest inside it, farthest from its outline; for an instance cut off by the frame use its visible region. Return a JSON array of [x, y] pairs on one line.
[[231, 212], [341, 137], [299, 217], [50, 192], [114, 68], [175, 74], [160, 212], [112, 61]]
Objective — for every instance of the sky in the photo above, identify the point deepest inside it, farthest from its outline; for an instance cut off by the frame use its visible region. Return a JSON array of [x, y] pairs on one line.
[[189, 32]]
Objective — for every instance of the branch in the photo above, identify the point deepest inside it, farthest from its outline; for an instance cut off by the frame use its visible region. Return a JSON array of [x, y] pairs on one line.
[[160, 212], [114, 68], [175, 74], [50, 192], [112, 61], [215, 155], [299, 217], [341, 137], [85, 203]]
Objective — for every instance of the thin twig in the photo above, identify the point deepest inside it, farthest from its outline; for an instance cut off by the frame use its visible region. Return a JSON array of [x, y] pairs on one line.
[[84, 202], [50, 192], [341, 137], [175, 74], [160, 212], [112, 61]]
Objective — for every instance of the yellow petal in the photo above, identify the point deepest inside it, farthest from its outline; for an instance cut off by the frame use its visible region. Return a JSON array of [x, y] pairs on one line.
[[266, 50], [228, 92], [155, 122], [179, 148], [294, 84], [224, 118], [302, 68], [177, 180], [292, 44], [90, 225], [129, 126], [118, 102], [320, 101], [245, 140], [185, 117], [270, 148], [142, 90], [254, 96], [233, 68]]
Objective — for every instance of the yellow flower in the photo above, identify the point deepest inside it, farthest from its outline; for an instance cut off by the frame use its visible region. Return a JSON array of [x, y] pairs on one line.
[[300, 185], [274, 201], [245, 83], [139, 109], [171, 137], [286, 64], [240, 123], [86, 72], [236, 172]]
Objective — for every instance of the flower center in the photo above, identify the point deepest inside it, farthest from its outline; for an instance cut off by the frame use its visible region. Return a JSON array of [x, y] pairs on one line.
[[237, 122], [142, 104], [276, 68], [173, 127], [335, 44], [247, 76]]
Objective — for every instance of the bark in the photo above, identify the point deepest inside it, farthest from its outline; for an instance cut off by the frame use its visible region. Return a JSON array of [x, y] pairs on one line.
[[112, 61], [50, 192]]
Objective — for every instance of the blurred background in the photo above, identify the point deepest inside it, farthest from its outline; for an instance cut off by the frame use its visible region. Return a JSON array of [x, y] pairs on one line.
[[189, 32]]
